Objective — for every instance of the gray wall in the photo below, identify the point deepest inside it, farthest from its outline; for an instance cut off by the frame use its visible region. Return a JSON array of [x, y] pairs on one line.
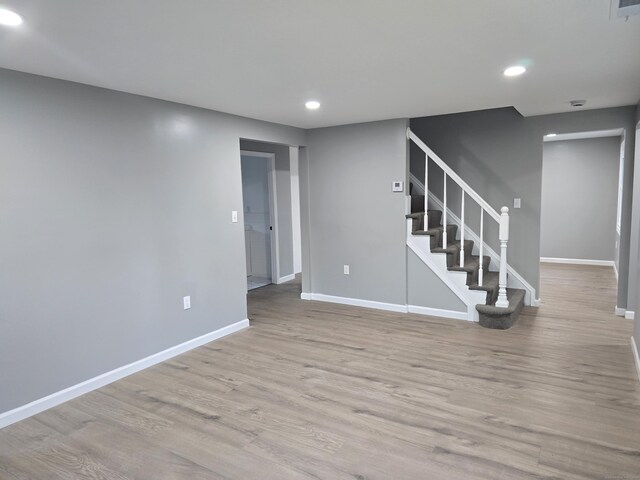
[[604, 119], [496, 153], [425, 289], [112, 208], [350, 215], [579, 198], [636, 228], [283, 200], [499, 153]]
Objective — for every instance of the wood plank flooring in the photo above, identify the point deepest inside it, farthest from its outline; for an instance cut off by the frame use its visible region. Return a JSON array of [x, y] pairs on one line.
[[320, 391]]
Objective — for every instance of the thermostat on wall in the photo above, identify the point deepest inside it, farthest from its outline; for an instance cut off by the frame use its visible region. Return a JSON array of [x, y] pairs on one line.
[[398, 186]]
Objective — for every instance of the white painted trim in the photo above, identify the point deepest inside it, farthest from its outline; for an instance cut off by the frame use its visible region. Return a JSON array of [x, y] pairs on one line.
[[50, 401], [390, 307], [356, 302], [286, 278], [630, 315], [620, 311], [615, 270], [636, 356], [579, 261], [514, 279], [438, 312]]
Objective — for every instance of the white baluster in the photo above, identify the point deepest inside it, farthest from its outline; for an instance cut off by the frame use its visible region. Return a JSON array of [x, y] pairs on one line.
[[481, 268], [462, 232], [504, 238], [444, 214], [425, 219]]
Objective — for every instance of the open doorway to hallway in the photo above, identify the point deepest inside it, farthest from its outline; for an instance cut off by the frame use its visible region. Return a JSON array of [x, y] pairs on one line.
[[582, 198], [271, 212]]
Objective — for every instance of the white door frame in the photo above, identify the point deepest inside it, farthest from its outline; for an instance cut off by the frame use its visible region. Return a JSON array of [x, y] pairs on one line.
[[273, 210]]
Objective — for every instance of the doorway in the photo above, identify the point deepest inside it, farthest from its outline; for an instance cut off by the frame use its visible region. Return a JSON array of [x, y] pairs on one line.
[[260, 211]]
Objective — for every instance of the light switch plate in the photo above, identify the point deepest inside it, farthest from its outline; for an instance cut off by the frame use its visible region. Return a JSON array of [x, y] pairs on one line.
[[517, 202], [234, 216], [186, 302], [346, 269], [397, 186]]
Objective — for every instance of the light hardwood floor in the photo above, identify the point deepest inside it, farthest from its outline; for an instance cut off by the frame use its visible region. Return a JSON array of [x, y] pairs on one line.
[[321, 391]]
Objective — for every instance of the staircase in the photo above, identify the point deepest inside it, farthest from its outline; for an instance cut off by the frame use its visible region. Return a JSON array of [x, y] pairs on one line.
[[443, 247], [489, 315]]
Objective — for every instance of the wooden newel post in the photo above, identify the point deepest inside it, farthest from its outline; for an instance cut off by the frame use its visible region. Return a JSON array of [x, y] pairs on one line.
[[504, 238]]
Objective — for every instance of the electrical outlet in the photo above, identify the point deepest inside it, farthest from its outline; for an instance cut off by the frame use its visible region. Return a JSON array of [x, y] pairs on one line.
[[346, 269], [186, 302], [517, 203]]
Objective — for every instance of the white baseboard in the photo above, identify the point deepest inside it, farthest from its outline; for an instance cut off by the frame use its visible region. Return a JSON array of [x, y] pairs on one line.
[[356, 302], [636, 356], [391, 307], [45, 403], [629, 315], [286, 278], [579, 261], [620, 311], [438, 312]]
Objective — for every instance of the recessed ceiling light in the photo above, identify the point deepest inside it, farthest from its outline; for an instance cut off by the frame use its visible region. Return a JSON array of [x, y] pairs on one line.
[[9, 18], [312, 105], [551, 135], [514, 71]]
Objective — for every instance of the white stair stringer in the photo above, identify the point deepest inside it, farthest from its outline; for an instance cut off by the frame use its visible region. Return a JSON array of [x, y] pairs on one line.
[[514, 279], [437, 262]]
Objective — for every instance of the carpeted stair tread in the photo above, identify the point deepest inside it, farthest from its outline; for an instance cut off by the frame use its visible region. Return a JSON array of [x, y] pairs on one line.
[[472, 263], [502, 318], [489, 282], [454, 247]]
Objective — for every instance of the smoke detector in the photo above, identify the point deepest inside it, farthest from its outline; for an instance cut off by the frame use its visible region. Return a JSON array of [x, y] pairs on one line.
[[577, 103], [624, 8]]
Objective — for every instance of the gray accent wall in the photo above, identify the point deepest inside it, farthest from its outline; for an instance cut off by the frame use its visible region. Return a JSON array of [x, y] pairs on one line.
[[425, 289], [496, 153], [579, 198], [112, 208], [350, 216], [283, 200]]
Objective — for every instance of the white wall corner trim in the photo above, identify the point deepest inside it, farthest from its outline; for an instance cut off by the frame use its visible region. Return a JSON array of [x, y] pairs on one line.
[[620, 311], [50, 401], [636, 356], [629, 315], [615, 269], [438, 312], [579, 261], [286, 278], [305, 296], [356, 302]]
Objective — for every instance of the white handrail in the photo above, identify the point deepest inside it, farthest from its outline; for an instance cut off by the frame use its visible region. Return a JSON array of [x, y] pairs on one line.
[[447, 169]]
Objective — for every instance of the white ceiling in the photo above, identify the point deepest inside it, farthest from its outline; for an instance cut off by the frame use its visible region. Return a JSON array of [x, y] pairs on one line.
[[363, 59]]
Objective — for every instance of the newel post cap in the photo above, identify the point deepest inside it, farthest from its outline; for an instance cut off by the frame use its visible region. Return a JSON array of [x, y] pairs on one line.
[[504, 209]]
